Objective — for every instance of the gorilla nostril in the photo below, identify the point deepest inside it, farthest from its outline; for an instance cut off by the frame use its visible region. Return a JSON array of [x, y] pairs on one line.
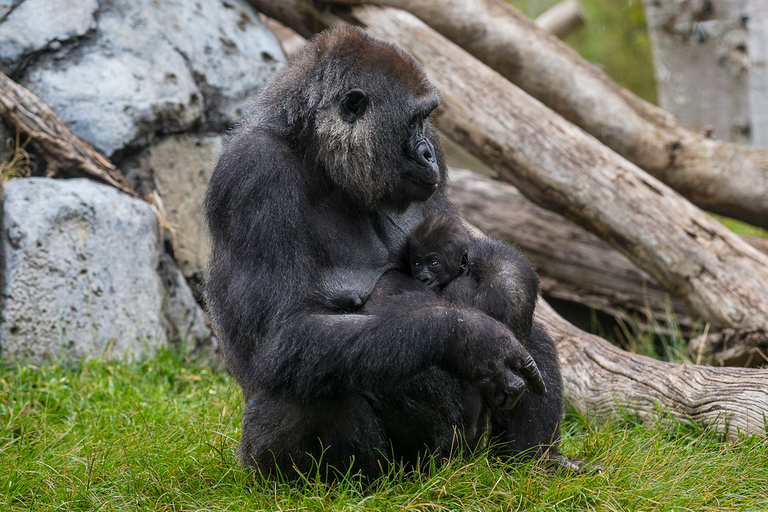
[[427, 155]]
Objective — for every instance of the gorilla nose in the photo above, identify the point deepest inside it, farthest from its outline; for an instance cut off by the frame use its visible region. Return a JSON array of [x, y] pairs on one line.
[[424, 278], [425, 155]]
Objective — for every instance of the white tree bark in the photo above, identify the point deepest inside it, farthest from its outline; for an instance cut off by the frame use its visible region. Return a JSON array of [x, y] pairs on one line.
[[562, 19], [701, 64], [757, 29]]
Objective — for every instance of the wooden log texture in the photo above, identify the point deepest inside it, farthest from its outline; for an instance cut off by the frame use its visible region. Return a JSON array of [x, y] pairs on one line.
[[601, 380], [62, 150], [573, 264], [725, 178]]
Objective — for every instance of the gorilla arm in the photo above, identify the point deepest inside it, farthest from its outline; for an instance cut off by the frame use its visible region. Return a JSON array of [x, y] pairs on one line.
[[315, 353]]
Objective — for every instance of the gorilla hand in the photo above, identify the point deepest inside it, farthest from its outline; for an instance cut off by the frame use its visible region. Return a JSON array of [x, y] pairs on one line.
[[500, 366]]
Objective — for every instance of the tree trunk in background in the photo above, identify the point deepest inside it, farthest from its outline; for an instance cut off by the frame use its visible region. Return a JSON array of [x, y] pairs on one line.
[[757, 30], [701, 61], [573, 264], [724, 178]]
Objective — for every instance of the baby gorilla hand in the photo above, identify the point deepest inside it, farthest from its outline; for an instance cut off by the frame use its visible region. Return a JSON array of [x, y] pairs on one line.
[[505, 386]]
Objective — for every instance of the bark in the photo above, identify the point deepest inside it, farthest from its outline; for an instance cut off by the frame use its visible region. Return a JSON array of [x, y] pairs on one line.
[[557, 165], [757, 28], [573, 264], [701, 65], [563, 19], [601, 380], [63, 151], [724, 178]]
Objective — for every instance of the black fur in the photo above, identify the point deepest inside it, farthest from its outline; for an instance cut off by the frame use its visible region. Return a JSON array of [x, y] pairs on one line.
[[317, 192]]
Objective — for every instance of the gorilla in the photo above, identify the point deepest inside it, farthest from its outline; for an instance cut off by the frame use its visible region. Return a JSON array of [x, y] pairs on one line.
[[438, 251], [324, 183]]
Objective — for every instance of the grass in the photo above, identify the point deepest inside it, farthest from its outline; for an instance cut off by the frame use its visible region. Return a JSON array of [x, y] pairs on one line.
[[161, 434], [19, 163]]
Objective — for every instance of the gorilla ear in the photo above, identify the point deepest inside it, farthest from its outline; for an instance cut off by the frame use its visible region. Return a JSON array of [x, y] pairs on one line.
[[353, 105]]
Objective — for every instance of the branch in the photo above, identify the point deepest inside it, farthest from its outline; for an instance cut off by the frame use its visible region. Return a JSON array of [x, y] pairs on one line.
[[563, 19], [573, 264], [63, 150]]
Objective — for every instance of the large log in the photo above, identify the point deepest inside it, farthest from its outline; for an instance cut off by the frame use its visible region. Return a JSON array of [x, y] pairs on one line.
[[601, 380], [61, 149], [573, 264], [725, 178]]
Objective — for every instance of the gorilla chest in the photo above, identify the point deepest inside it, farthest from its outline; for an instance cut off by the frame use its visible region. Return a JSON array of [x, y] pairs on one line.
[[363, 240]]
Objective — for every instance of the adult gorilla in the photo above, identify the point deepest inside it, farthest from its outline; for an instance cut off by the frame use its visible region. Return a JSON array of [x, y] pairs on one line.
[[323, 184]]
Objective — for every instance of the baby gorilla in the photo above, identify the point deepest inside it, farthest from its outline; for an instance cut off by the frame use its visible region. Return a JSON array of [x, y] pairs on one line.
[[438, 250], [438, 255]]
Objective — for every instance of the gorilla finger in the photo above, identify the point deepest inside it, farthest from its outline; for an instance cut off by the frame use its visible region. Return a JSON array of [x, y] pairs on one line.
[[514, 388], [532, 374]]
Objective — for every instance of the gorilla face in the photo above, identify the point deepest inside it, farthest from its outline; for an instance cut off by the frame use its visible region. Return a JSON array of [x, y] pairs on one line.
[[420, 172], [372, 126], [438, 268]]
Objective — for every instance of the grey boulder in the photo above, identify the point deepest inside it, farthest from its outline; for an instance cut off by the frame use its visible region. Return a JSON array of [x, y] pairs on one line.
[[121, 72], [83, 274]]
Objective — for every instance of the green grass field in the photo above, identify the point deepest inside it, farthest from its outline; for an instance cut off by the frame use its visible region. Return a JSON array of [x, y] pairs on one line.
[[162, 435]]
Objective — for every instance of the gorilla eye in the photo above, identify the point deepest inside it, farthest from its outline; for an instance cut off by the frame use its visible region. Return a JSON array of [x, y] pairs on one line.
[[353, 105], [416, 264], [413, 122], [434, 263]]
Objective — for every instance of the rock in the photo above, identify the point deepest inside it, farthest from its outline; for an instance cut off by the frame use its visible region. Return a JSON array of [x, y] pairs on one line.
[[33, 25], [179, 168], [83, 274], [151, 68]]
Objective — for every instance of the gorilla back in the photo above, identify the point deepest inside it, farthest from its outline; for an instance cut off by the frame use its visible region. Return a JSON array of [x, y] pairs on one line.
[[331, 173]]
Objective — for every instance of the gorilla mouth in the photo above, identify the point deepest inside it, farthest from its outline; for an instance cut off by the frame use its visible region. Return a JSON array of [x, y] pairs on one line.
[[429, 182]]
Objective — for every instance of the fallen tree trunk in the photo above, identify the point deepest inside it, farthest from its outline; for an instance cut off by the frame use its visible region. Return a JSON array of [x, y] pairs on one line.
[[601, 380], [62, 150], [573, 264], [555, 164], [725, 178]]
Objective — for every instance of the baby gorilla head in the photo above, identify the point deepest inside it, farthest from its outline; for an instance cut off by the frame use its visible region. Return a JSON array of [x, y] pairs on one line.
[[438, 251]]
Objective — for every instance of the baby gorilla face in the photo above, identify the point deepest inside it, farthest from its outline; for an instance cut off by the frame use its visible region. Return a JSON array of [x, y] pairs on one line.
[[435, 269], [438, 251], [430, 270]]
